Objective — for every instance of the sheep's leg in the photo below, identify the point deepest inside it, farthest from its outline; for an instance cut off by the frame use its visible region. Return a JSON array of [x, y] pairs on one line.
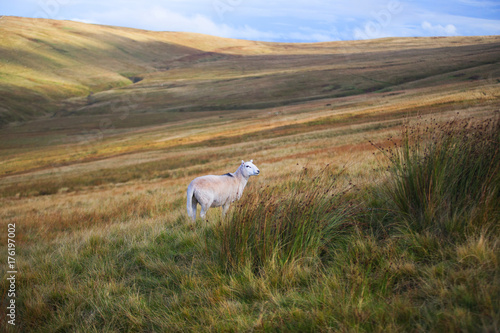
[[225, 209], [194, 207], [204, 209]]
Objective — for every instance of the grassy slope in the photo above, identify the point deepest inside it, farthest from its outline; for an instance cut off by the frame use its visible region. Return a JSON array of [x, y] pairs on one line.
[[98, 194], [185, 75], [51, 61]]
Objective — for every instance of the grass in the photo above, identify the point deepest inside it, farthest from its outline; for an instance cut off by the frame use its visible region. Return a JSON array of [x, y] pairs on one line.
[[303, 251], [50, 67], [444, 177], [403, 238], [301, 220]]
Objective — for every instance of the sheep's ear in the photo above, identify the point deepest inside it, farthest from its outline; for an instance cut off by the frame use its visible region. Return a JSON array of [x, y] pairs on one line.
[[251, 161], [242, 162]]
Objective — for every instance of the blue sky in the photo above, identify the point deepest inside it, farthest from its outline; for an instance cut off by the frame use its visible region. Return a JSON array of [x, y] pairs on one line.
[[279, 20]]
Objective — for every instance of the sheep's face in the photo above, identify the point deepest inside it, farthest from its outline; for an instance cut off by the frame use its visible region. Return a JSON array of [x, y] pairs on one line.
[[249, 169]]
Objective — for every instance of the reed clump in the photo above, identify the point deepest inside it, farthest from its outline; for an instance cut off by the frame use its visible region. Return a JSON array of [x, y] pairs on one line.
[[444, 177], [302, 220]]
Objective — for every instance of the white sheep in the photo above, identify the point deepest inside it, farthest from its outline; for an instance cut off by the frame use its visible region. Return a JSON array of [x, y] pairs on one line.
[[215, 191]]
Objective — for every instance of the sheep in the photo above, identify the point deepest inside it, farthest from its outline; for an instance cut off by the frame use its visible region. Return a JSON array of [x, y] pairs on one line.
[[215, 191]]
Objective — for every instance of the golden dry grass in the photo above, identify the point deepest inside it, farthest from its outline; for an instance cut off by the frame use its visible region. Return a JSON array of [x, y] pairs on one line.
[[98, 195]]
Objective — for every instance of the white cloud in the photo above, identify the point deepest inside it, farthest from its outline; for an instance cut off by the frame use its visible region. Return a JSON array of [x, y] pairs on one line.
[[161, 19], [280, 20], [84, 21], [439, 30], [369, 30]]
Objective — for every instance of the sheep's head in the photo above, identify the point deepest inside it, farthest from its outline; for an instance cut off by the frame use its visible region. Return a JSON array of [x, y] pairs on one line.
[[249, 169]]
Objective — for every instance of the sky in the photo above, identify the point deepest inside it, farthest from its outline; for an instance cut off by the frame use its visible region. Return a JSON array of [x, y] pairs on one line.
[[278, 20]]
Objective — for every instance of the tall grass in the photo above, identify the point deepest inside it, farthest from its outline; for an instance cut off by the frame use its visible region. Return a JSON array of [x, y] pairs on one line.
[[301, 220], [290, 256], [444, 177]]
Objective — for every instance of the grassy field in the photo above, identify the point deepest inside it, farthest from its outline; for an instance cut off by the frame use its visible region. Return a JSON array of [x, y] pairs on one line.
[[376, 210]]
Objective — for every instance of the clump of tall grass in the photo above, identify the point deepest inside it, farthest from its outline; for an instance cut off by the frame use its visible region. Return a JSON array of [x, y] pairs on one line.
[[301, 220], [444, 177]]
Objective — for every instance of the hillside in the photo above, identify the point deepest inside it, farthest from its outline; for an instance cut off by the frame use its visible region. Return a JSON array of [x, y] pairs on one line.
[[66, 68], [110, 91], [375, 210]]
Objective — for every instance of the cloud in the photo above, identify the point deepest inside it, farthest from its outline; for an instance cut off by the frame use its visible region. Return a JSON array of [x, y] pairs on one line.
[[289, 21], [439, 30], [84, 21], [369, 30], [161, 19]]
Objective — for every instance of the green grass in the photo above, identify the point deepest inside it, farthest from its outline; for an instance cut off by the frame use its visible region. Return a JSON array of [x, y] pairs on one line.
[[53, 68], [301, 220], [303, 253], [103, 242], [445, 177]]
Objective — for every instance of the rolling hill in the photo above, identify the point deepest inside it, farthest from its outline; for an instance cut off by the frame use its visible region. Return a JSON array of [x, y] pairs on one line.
[[60, 68], [376, 209], [101, 91]]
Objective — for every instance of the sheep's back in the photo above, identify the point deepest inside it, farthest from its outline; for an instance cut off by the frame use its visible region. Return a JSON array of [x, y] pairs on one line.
[[220, 189]]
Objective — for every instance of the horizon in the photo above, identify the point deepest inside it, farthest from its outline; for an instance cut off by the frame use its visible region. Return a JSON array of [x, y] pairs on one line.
[[279, 21], [251, 40]]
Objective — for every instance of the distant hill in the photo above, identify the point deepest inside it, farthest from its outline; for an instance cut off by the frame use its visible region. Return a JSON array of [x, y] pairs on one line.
[[59, 68]]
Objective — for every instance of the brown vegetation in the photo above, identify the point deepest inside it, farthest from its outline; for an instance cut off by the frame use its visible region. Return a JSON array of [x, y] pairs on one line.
[[97, 190]]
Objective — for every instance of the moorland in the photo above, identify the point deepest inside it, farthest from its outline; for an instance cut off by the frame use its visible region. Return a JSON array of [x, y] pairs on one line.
[[376, 209]]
